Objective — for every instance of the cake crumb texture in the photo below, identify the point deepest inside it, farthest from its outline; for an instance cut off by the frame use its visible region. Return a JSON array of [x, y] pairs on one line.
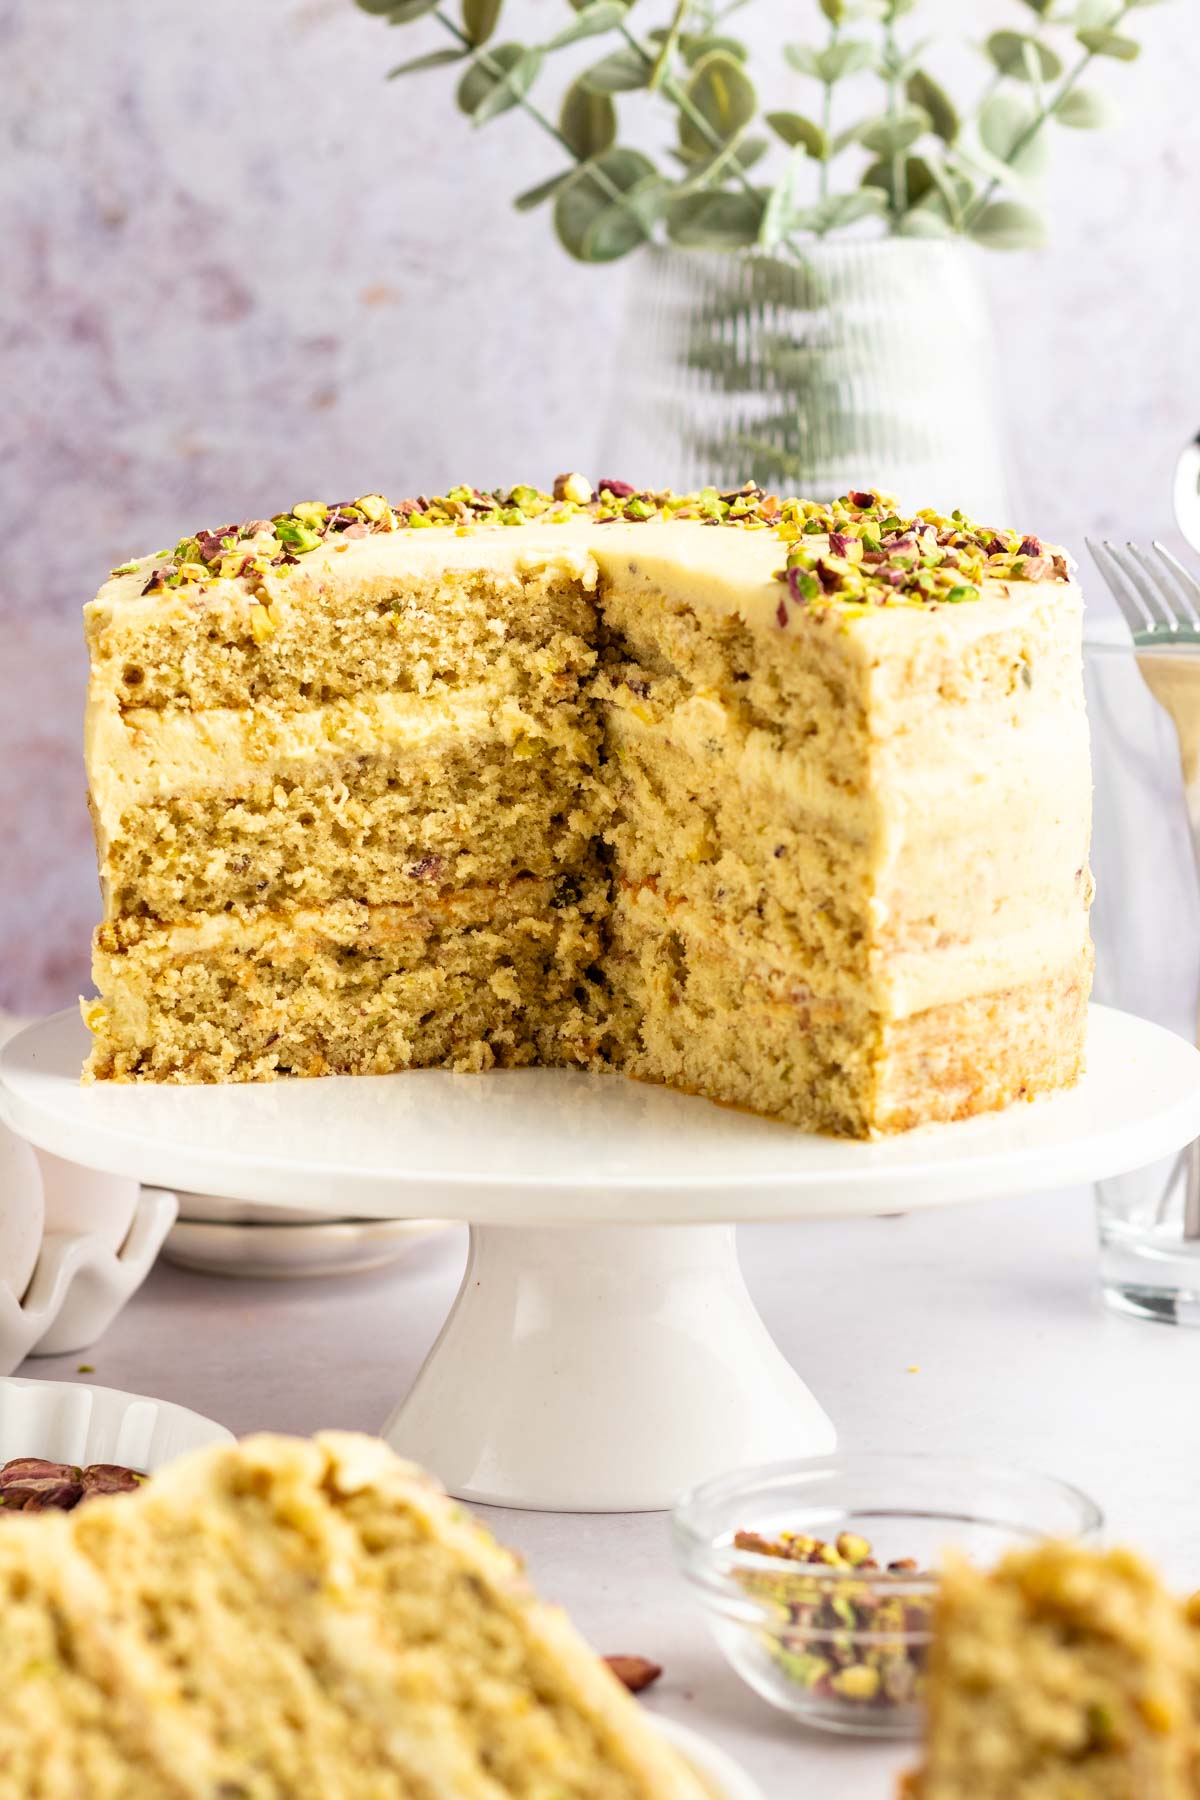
[[299, 1620], [1063, 1674]]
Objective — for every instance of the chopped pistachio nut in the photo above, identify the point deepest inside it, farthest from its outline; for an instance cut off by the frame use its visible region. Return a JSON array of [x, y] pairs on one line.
[[838, 1625], [853, 553]]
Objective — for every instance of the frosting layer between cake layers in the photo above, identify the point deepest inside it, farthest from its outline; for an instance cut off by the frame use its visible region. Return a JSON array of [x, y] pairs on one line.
[[604, 794]]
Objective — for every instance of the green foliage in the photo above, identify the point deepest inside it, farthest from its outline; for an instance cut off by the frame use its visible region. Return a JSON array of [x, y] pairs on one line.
[[874, 138], [497, 80], [480, 19], [588, 121]]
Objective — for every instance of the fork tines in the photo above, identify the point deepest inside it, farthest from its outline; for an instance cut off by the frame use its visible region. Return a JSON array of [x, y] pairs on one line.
[[1158, 597]]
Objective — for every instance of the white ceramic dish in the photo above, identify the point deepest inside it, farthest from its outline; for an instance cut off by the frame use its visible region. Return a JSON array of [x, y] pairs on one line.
[[71, 1423], [212, 1209], [723, 1778], [295, 1251], [87, 1201], [80, 1285]]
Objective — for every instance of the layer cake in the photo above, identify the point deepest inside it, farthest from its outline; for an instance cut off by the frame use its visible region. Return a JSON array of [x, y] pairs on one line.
[[782, 803]]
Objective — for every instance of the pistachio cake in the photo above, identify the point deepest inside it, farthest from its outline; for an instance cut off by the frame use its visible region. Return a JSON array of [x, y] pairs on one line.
[[778, 802], [1063, 1674], [287, 1619]]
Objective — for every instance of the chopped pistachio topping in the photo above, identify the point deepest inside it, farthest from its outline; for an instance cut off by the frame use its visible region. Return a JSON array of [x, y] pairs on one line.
[[854, 553], [835, 1622]]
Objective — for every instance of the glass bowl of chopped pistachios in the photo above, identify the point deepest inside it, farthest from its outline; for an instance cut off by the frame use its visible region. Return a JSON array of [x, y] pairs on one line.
[[818, 1577]]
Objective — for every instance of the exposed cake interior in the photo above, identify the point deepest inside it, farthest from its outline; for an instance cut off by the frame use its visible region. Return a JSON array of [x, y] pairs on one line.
[[286, 1617], [550, 793], [1064, 1673]]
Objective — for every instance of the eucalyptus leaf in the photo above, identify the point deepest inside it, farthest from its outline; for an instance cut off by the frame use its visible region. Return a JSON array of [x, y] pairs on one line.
[[918, 179], [1103, 42], [924, 91], [841, 12], [497, 80], [1098, 12], [845, 209], [893, 132], [730, 161], [1086, 110], [378, 9], [723, 94], [925, 222], [1009, 225], [778, 217], [607, 182], [622, 228], [850, 56], [433, 59], [545, 190], [976, 162], [480, 19], [803, 59], [714, 221], [588, 121], [1006, 121], [797, 132], [620, 73], [1010, 51], [695, 49], [590, 21], [402, 12]]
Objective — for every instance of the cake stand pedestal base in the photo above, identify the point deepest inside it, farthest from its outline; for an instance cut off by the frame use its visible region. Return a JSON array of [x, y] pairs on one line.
[[602, 1368]]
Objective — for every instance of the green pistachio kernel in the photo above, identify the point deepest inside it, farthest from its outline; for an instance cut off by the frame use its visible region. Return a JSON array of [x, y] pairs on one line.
[[524, 498], [963, 591], [129, 568], [296, 536], [312, 512]]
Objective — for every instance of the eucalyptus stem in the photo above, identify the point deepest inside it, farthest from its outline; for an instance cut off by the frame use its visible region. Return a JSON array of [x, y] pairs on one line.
[[607, 187], [663, 59], [1040, 117], [695, 117], [835, 32], [899, 197]]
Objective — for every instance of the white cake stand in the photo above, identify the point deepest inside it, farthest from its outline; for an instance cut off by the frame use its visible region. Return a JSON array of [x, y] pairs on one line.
[[603, 1352]]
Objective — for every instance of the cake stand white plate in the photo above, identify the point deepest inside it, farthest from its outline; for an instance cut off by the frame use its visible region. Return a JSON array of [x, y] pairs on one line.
[[603, 1352]]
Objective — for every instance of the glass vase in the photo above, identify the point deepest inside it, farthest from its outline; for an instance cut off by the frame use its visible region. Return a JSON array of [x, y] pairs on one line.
[[865, 365]]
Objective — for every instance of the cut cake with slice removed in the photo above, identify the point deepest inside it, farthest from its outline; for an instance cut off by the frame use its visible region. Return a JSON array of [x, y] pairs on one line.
[[288, 1619], [782, 803]]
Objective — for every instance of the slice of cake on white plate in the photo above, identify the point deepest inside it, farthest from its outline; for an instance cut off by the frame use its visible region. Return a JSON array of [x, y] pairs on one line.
[[781, 803], [287, 1619]]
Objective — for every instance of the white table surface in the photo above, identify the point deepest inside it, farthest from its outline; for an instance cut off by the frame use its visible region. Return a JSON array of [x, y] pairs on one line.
[[993, 1303]]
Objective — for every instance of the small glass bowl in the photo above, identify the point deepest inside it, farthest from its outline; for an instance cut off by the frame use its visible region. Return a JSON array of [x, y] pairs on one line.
[[842, 1644]]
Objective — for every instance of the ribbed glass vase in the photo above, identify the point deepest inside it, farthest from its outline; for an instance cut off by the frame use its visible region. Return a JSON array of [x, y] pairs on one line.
[[865, 365]]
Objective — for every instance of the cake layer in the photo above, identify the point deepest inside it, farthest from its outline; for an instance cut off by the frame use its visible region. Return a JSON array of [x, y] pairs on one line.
[[363, 619], [487, 976], [827, 1061], [382, 829]]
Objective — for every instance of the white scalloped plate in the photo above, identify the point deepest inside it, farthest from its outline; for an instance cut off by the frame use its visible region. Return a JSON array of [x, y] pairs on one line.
[[69, 1422]]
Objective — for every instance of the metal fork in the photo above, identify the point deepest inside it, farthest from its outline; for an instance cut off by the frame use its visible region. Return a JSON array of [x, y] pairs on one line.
[[1160, 601], [1161, 604]]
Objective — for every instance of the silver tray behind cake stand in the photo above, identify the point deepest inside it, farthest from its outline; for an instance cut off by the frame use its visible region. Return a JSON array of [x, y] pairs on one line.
[[603, 1352]]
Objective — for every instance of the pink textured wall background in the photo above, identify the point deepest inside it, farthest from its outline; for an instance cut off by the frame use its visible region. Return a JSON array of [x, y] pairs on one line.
[[238, 269]]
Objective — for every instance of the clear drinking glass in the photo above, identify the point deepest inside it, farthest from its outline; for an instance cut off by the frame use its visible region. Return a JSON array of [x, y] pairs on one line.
[[1146, 923]]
